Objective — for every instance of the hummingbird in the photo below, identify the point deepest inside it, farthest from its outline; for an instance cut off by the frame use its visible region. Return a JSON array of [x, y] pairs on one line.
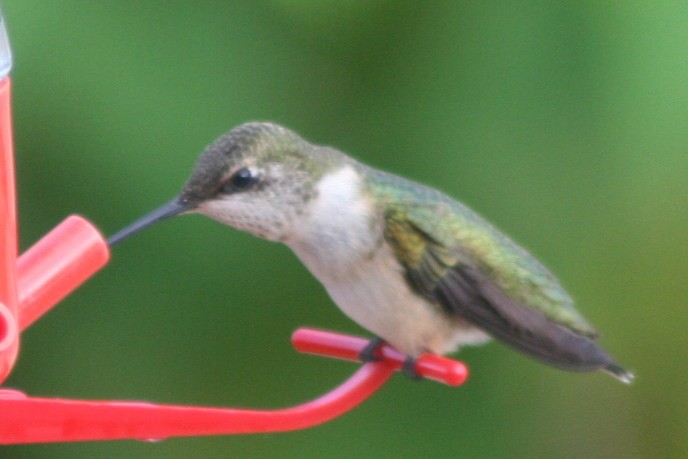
[[418, 269]]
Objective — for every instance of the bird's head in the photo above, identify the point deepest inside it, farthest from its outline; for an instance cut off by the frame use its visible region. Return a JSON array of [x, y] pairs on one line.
[[258, 177]]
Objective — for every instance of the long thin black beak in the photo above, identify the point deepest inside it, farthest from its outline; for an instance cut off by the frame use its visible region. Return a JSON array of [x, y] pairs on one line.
[[170, 209]]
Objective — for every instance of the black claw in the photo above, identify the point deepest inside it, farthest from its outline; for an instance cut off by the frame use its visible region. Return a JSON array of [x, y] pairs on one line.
[[368, 352], [409, 369]]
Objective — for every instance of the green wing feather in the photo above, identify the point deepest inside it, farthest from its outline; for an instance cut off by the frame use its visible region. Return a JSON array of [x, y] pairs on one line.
[[432, 234], [464, 265]]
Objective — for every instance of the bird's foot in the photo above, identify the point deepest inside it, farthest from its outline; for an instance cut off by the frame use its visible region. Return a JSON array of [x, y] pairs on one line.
[[409, 369], [368, 352], [368, 355]]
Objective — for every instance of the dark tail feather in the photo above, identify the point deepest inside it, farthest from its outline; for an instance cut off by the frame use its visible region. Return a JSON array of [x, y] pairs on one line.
[[525, 329], [619, 373]]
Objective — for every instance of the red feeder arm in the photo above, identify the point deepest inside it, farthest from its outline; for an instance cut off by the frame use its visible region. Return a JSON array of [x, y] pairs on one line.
[[9, 332], [71, 253]]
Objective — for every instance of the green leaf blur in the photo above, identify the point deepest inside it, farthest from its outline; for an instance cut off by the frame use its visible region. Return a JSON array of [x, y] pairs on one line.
[[564, 123]]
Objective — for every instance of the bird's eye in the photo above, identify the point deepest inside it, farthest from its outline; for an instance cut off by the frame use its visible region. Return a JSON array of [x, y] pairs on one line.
[[242, 180]]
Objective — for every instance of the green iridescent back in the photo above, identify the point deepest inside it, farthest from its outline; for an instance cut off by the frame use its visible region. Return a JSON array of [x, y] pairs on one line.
[[456, 234]]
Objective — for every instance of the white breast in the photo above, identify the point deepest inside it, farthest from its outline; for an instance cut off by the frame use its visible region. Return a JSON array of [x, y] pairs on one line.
[[335, 230]]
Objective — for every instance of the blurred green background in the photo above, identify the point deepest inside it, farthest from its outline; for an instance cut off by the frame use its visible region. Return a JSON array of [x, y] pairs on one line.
[[564, 124]]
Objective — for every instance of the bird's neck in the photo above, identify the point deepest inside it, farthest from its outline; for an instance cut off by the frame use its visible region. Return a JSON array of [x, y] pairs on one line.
[[340, 226]]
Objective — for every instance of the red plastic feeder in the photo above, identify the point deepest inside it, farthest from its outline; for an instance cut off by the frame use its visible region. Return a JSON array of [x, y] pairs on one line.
[[72, 252]]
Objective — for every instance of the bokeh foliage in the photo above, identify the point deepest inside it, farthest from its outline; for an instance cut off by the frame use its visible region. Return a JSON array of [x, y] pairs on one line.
[[563, 123]]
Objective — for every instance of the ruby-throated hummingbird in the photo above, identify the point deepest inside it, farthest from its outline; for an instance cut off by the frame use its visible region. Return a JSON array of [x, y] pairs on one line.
[[418, 269]]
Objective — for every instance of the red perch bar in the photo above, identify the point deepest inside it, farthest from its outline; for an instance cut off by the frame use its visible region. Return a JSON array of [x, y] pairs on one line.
[[40, 420]]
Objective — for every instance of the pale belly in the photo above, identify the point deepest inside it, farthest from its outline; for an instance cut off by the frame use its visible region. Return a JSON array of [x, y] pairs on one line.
[[374, 294]]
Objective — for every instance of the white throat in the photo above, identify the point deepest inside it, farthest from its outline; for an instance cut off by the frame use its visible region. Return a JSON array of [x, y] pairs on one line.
[[338, 228]]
